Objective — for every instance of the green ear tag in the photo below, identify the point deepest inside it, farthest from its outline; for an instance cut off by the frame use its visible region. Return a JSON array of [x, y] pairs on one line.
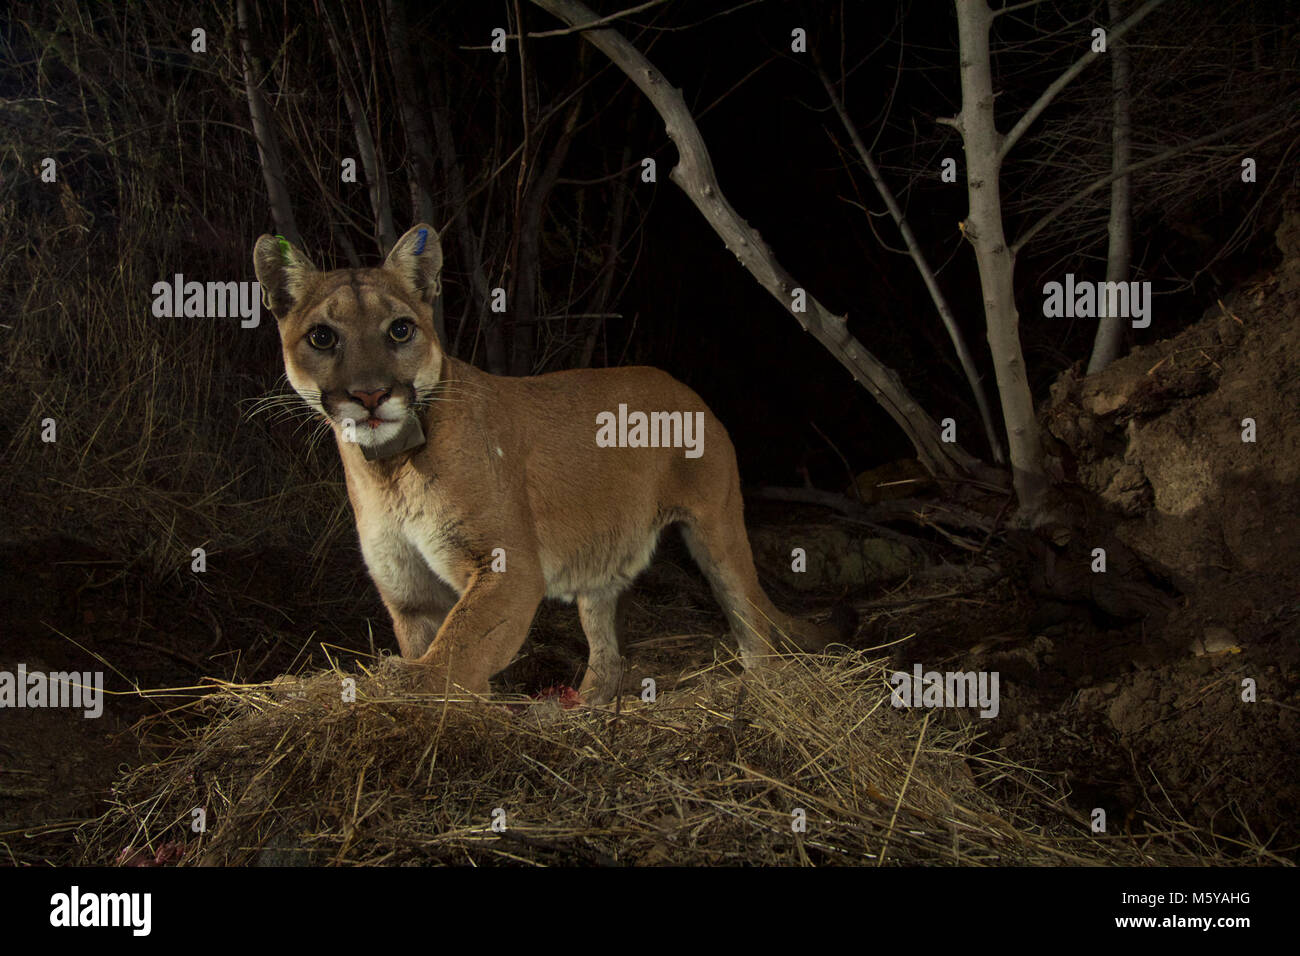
[[285, 248]]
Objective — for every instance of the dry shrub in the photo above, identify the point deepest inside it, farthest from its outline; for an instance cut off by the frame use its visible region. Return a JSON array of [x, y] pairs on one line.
[[157, 449], [711, 773]]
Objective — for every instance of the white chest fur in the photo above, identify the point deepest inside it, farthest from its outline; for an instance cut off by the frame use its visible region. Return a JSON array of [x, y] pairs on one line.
[[406, 545]]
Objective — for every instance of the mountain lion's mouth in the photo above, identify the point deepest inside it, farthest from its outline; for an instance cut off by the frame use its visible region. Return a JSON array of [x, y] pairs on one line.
[[370, 422]]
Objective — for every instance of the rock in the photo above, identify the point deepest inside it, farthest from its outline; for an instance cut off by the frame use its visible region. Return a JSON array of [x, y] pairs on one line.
[[1128, 490], [905, 478], [1215, 640], [1230, 330], [835, 558]]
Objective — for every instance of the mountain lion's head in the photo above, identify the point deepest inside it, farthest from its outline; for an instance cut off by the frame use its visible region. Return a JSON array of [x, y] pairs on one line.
[[359, 344]]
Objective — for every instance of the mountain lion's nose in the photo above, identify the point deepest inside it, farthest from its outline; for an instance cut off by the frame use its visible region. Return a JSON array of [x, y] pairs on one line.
[[371, 399]]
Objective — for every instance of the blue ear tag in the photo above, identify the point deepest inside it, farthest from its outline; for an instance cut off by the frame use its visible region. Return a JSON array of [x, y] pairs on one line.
[[419, 245]]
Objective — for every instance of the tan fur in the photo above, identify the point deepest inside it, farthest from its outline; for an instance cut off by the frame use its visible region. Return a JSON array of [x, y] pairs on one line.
[[509, 463]]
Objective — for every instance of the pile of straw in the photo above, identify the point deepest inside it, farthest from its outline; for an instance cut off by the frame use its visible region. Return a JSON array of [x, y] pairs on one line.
[[802, 763]]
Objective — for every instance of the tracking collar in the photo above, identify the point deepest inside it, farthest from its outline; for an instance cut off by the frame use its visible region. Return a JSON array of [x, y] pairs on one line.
[[411, 436]]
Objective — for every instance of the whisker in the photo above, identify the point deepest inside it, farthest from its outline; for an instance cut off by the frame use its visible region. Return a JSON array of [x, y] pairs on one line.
[[280, 405], [461, 384]]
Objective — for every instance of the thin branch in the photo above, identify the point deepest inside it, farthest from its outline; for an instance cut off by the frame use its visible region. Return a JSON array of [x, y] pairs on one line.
[[695, 175], [922, 266], [1168, 154], [600, 22], [1018, 6], [1064, 80]]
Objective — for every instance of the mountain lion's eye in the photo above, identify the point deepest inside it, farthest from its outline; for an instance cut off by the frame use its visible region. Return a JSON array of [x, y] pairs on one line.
[[322, 337], [401, 330]]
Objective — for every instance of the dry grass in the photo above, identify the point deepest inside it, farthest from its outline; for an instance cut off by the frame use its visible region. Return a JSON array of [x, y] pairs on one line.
[[712, 773], [156, 452]]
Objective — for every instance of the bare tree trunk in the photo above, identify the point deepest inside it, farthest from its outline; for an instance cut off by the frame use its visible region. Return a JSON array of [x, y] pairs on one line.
[[376, 178], [421, 174], [996, 262], [927, 274], [413, 121], [528, 254], [694, 174], [349, 251], [1105, 347], [268, 144], [1067, 76], [600, 304], [471, 249], [985, 150]]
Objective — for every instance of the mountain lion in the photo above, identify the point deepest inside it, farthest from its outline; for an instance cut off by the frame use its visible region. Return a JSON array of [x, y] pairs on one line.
[[477, 495]]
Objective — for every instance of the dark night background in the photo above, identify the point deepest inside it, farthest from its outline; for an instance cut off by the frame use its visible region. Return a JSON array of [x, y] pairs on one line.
[[781, 157]]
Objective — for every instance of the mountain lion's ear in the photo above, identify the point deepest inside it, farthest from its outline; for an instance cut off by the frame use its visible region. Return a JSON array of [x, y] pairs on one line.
[[417, 258], [282, 272]]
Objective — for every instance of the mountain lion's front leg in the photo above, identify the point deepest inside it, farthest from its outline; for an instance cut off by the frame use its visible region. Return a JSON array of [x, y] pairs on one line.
[[484, 631], [601, 613]]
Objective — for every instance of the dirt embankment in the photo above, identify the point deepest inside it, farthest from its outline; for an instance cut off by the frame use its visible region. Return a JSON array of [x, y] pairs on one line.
[[1192, 445]]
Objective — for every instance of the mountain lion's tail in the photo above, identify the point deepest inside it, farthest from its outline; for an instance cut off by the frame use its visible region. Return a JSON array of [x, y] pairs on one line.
[[720, 547]]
